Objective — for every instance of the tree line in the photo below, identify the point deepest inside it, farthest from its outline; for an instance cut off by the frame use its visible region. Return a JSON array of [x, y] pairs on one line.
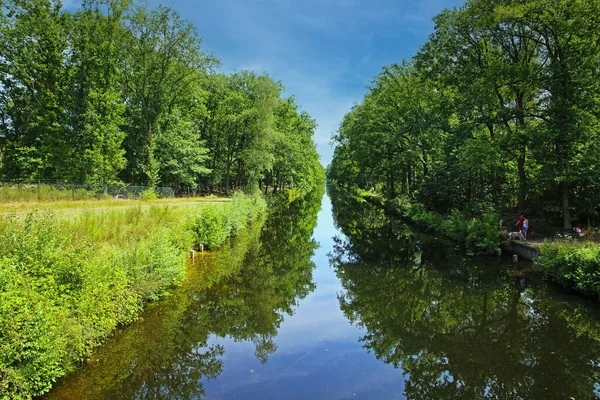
[[498, 111], [119, 92]]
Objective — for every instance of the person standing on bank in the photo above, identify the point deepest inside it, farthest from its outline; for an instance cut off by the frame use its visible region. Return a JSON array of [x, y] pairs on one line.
[[520, 223], [525, 227]]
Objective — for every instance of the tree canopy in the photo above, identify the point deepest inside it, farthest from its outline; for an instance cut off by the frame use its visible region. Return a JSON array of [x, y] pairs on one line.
[[119, 92], [498, 110]]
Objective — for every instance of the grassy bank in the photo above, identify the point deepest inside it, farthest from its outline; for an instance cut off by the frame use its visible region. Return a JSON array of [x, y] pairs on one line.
[[104, 202], [68, 280], [572, 264], [479, 235]]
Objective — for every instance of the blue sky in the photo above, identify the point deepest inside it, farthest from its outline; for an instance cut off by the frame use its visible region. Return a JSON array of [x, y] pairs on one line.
[[324, 51]]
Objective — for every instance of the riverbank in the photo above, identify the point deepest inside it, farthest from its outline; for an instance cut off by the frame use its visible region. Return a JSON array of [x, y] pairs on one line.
[[572, 264], [68, 280], [478, 235]]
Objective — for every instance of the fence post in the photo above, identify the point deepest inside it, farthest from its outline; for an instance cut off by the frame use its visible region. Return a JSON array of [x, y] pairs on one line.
[[73, 190], [38, 190]]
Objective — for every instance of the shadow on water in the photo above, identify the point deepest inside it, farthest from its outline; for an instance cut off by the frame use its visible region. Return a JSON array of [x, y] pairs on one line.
[[460, 327], [242, 292]]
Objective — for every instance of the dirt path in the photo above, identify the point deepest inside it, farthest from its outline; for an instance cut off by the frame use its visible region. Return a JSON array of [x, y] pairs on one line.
[[117, 207]]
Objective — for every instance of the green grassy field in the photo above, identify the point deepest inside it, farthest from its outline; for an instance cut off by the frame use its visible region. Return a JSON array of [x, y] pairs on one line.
[[60, 205]]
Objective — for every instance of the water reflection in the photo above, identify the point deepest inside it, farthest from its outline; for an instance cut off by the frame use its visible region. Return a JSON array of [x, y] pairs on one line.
[[242, 292], [460, 327]]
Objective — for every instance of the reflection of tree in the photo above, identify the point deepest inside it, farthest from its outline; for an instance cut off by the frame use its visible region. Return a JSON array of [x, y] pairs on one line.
[[459, 329], [242, 291]]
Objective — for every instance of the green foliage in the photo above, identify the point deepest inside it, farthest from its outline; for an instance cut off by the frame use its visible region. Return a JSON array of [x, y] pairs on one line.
[[180, 153], [215, 225], [480, 235], [498, 109], [33, 193], [573, 265], [149, 194], [66, 283], [120, 92], [483, 234], [455, 326], [242, 291]]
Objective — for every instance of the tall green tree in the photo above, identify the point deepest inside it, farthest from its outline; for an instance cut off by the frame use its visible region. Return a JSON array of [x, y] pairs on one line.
[[180, 153], [32, 89], [164, 67], [96, 108], [239, 128], [497, 112]]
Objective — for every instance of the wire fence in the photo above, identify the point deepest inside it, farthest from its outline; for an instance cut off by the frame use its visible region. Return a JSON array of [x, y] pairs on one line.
[[57, 189]]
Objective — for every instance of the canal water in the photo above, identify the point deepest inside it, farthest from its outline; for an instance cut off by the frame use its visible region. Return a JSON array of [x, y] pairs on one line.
[[323, 302]]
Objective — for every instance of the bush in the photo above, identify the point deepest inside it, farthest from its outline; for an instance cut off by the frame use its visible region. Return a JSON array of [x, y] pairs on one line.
[[571, 264], [66, 284], [455, 226], [483, 234], [33, 341], [216, 224], [479, 235], [149, 194]]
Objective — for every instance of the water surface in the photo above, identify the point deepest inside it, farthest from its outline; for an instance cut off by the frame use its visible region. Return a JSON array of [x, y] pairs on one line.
[[343, 303]]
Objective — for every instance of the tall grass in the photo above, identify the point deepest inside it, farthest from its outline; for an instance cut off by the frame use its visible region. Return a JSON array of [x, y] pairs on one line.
[[34, 193], [68, 280]]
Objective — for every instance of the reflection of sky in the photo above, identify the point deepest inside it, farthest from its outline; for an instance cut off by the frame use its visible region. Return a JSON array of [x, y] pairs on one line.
[[318, 354]]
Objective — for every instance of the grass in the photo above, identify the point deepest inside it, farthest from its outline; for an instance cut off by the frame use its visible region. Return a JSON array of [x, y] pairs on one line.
[[47, 197], [67, 280], [59, 205]]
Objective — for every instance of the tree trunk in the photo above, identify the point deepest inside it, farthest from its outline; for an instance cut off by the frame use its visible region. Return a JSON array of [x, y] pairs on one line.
[[522, 180], [564, 191], [227, 176], [149, 158]]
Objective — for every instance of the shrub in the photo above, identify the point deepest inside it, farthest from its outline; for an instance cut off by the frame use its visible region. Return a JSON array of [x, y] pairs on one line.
[[216, 224], [33, 341], [149, 194], [66, 284], [155, 264], [455, 226], [572, 265], [483, 234], [479, 235]]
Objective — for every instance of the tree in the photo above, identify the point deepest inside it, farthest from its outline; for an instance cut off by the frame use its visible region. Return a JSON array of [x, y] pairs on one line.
[[164, 68], [96, 107], [239, 127], [32, 89], [180, 153]]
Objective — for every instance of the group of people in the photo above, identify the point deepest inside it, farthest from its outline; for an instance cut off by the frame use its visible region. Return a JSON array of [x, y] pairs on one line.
[[523, 224]]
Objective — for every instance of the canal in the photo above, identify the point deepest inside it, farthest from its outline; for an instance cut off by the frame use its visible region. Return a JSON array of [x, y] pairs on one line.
[[339, 302]]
